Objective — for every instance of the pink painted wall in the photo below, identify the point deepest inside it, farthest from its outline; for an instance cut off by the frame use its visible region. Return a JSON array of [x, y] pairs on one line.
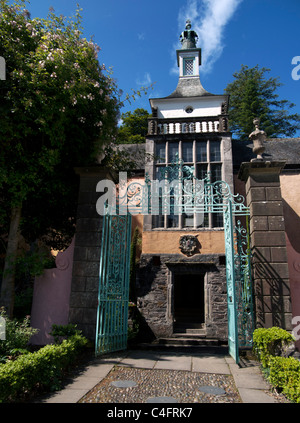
[[294, 272], [51, 296]]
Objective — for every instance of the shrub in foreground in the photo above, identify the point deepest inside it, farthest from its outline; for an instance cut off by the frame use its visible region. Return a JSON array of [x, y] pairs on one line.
[[268, 342], [41, 369], [17, 336], [283, 372]]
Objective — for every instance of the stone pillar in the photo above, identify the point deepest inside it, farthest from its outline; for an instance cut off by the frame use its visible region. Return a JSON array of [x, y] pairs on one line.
[[85, 277], [268, 243]]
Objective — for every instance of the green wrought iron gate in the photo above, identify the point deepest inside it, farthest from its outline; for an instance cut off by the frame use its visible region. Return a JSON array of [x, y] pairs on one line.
[[113, 295], [233, 344], [196, 196], [239, 283]]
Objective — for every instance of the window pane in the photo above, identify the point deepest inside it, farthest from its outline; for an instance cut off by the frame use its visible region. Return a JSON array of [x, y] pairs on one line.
[[201, 171], [187, 151], [216, 172], [201, 152], [173, 150], [188, 220], [160, 173], [172, 221], [217, 220], [161, 153], [189, 67], [158, 221], [202, 220], [215, 152]]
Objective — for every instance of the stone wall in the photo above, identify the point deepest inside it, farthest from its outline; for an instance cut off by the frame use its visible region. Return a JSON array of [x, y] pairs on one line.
[[155, 291], [85, 279], [268, 244]]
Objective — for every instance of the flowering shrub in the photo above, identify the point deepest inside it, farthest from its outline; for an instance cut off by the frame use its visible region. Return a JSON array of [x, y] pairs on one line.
[[58, 107], [54, 78]]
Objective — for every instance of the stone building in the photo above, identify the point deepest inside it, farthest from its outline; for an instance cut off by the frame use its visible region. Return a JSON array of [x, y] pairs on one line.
[[179, 288], [175, 290]]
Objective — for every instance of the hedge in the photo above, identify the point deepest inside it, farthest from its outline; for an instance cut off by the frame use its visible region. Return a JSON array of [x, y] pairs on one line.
[[43, 368], [284, 372], [285, 375], [268, 342]]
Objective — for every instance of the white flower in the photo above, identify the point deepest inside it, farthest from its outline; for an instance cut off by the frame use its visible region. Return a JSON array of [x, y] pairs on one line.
[[53, 75]]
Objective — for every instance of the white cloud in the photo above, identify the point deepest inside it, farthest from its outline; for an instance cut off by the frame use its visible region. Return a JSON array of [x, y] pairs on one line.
[[141, 36], [145, 81], [209, 19]]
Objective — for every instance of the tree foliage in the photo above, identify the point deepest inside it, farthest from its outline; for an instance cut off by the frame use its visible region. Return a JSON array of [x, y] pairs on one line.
[[58, 107], [134, 127], [253, 95], [57, 104]]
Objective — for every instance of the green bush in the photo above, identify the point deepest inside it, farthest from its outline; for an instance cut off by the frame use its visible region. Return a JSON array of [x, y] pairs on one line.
[[61, 332], [41, 369], [283, 372], [17, 335], [285, 376], [270, 342]]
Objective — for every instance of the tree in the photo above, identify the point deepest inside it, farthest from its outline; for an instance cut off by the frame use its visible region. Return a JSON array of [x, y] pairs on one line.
[[58, 107], [134, 127], [253, 95]]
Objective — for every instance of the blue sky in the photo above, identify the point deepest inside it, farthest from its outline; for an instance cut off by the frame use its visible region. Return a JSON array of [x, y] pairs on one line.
[[139, 38]]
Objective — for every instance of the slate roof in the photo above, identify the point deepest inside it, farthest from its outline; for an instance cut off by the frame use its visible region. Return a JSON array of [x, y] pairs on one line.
[[189, 87], [275, 149]]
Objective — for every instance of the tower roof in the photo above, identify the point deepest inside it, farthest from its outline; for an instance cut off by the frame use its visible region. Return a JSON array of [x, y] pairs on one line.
[[189, 86]]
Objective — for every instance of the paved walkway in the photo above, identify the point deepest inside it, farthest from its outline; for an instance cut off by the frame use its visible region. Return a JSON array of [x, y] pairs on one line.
[[248, 379]]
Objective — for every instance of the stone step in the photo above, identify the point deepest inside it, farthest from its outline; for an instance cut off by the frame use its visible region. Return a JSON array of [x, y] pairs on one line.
[[188, 325], [219, 349], [187, 331], [188, 341], [190, 334]]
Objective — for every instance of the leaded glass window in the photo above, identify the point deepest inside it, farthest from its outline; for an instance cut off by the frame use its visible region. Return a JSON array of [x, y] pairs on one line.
[[205, 159], [188, 67]]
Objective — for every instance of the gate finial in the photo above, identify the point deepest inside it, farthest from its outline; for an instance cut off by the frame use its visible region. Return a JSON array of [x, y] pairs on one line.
[[258, 137]]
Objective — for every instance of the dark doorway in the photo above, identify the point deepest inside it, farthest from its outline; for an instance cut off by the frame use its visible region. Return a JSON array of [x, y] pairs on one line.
[[189, 299]]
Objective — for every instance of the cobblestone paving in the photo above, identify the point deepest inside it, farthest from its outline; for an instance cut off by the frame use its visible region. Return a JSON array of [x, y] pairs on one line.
[[183, 386]]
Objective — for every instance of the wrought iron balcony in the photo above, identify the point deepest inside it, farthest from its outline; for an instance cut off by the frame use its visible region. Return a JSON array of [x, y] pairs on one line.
[[198, 125]]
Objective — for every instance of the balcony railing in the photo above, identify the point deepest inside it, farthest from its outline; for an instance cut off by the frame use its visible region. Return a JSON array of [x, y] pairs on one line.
[[211, 124]]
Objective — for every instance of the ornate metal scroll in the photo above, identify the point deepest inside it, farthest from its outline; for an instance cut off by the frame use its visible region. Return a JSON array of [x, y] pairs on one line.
[[176, 186], [243, 283]]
